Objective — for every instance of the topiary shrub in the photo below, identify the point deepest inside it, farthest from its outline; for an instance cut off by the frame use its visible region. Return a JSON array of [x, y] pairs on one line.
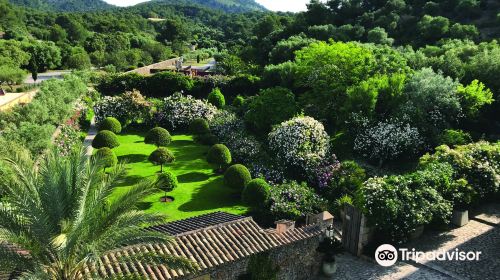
[[161, 156], [452, 137], [219, 155], [256, 193], [106, 157], [199, 126], [105, 138], [167, 182], [216, 98], [158, 136], [206, 139], [237, 177], [111, 124]]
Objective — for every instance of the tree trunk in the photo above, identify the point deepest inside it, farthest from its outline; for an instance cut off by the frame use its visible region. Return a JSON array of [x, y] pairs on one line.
[[161, 168]]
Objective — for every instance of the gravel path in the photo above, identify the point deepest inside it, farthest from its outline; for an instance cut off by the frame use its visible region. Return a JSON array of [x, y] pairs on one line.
[[87, 143]]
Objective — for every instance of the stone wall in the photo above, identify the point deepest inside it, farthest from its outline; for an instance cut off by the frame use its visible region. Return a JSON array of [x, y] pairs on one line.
[[297, 261]]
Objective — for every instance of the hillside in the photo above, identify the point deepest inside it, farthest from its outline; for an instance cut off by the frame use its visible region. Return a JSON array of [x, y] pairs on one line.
[[231, 6], [64, 5]]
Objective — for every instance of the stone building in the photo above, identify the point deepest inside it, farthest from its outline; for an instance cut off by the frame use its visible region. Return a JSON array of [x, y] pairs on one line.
[[224, 246]]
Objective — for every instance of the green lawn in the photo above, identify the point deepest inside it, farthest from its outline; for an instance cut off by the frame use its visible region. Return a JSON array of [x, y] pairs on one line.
[[200, 190]]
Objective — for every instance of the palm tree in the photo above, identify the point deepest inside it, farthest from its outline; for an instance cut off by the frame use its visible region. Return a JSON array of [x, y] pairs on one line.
[[62, 215]]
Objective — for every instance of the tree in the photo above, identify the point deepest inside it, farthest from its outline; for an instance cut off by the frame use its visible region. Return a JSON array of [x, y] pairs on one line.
[[68, 211], [285, 49], [219, 155], [11, 75], [167, 182], [106, 157], [473, 97], [433, 28], [199, 127], [237, 177], [378, 36], [158, 136], [216, 98], [44, 56], [272, 106], [105, 138], [161, 156], [111, 124]]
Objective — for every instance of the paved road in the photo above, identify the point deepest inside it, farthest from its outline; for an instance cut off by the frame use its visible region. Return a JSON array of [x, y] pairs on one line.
[[45, 76]]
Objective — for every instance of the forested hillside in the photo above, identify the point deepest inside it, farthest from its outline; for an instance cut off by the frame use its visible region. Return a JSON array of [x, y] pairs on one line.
[[231, 6], [64, 5]]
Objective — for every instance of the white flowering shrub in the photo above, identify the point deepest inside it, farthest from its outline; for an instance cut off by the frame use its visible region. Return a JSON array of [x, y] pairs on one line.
[[299, 144], [178, 111], [388, 140], [230, 130], [292, 200], [128, 107]]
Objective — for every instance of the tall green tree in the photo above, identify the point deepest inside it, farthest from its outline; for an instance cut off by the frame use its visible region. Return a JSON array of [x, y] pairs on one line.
[[58, 217]]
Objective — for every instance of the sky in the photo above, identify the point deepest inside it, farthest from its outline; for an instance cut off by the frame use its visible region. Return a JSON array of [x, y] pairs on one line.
[[274, 5]]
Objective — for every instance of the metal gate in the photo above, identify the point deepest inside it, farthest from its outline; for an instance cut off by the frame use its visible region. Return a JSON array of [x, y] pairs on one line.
[[351, 228]]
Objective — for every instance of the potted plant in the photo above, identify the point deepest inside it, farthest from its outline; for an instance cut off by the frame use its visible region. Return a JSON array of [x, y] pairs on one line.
[[330, 247], [462, 197]]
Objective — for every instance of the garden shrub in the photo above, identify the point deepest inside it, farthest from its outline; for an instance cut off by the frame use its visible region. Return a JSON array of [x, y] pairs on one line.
[[230, 131], [244, 84], [237, 177], [161, 156], [238, 101], [397, 205], [106, 157], [272, 106], [206, 139], [299, 144], [68, 139], [216, 98], [256, 193], [126, 108], [345, 180], [454, 137], [115, 84], [388, 140], [164, 84], [178, 111], [167, 181], [199, 126], [111, 124], [158, 136], [477, 163], [105, 138], [292, 200], [219, 155]]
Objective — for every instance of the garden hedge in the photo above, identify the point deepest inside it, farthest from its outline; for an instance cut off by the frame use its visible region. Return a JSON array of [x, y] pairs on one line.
[[199, 126], [111, 124], [256, 193], [105, 138], [237, 177], [158, 136]]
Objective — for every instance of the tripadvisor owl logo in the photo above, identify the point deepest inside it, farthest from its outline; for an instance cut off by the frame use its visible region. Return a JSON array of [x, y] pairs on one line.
[[386, 255]]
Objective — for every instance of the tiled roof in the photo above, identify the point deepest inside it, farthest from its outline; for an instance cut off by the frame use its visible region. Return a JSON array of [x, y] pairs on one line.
[[235, 237]]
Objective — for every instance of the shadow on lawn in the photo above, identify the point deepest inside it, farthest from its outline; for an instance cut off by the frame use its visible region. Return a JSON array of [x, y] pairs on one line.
[[212, 195], [133, 158], [192, 177], [130, 181]]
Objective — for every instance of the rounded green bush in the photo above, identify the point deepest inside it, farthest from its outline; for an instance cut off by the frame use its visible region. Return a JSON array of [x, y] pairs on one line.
[[219, 155], [199, 126], [105, 138], [237, 177], [161, 156], [111, 124], [216, 98], [167, 181], [106, 157], [256, 193], [206, 139], [158, 136]]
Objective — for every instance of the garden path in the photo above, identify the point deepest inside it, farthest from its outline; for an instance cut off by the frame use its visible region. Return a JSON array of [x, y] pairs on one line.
[[87, 143]]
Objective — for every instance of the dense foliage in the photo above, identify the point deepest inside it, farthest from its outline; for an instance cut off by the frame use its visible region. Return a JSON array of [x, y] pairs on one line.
[[237, 177]]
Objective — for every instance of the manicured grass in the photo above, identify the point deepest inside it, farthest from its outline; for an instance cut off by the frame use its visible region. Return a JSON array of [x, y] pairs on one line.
[[200, 190]]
